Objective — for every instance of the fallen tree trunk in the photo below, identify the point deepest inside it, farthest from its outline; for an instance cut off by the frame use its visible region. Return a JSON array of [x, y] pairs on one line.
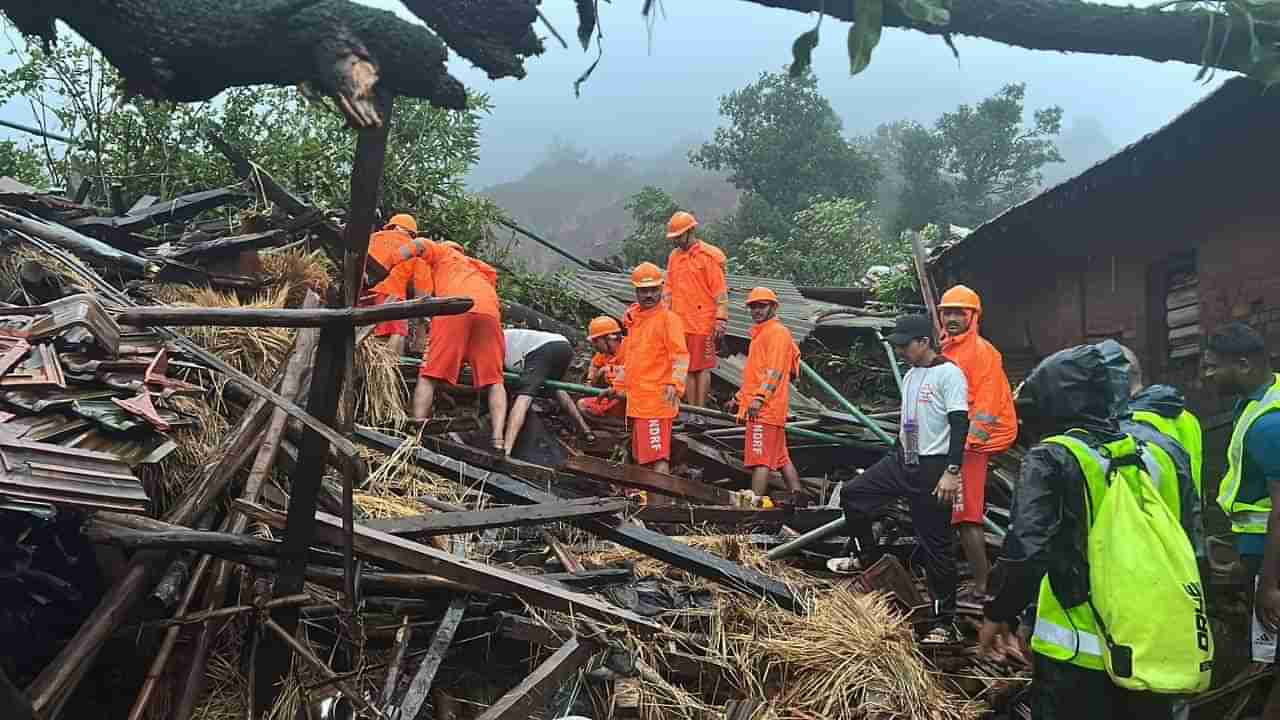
[[81, 245]]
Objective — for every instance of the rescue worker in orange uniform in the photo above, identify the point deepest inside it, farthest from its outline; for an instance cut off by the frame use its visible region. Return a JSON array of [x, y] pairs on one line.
[[655, 369], [474, 337], [606, 369], [993, 422], [390, 247], [772, 361], [697, 292]]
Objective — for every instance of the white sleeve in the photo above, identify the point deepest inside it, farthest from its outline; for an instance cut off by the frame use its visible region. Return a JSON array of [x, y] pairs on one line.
[[955, 389]]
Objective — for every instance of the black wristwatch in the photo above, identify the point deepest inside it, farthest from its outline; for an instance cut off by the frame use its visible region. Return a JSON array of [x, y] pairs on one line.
[[953, 469]]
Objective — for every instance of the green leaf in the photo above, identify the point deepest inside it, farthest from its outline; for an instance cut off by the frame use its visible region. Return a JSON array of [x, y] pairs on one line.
[[802, 52], [930, 12], [864, 34]]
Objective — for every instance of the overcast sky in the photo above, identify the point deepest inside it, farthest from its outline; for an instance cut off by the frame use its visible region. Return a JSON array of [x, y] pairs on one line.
[[652, 89], [655, 88]]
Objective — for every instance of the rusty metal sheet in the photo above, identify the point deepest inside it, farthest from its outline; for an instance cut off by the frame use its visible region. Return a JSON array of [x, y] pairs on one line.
[[78, 318], [43, 472], [612, 293], [46, 427], [40, 368], [39, 401], [141, 406], [152, 448]]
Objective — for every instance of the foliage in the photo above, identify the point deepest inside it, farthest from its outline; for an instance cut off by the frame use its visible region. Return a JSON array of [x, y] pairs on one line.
[[864, 31], [974, 162], [22, 163], [1263, 62], [162, 149], [783, 143], [832, 242], [650, 209], [753, 217]]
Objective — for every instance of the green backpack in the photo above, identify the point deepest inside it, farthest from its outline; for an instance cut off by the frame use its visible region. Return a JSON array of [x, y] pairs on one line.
[[1145, 588]]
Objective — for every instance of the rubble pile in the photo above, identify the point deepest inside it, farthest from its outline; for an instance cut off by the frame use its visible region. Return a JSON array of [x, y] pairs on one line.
[[176, 462]]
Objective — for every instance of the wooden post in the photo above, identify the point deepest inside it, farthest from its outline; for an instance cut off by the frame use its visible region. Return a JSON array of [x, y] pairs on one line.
[[304, 485], [516, 703], [366, 183]]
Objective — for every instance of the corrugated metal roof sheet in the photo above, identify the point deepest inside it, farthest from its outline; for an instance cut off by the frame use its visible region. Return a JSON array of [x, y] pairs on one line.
[[612, 293]]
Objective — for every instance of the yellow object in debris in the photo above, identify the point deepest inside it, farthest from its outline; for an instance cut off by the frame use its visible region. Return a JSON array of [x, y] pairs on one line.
[[765, 502]]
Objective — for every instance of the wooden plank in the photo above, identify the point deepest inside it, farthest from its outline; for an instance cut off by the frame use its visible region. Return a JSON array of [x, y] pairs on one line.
[[451, 523], [1186, 333], [1189, 315], [508, 489], [418, 690], [518, 702], [416, 556], [643, 478]]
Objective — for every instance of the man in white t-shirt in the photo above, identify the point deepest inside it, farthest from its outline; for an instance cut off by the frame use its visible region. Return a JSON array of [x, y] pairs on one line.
[[923, 469], [538, 356]]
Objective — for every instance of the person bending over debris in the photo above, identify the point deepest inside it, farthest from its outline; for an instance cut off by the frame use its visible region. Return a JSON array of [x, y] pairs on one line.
[[1164, 408], [475, 336], [993, 423], [538, 356], [772, 361], [1064, 542], [924, 468], [390, 247], [605, 370], [696, 291], [656, 366]]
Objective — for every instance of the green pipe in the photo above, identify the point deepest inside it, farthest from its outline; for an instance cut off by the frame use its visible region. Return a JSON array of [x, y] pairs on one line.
[[853, 409], [707, 412]]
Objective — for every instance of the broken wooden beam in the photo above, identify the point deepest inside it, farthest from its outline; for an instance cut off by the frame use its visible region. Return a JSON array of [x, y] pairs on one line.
[[636, 476], [221, 544], [403, 634], [304, 652], [81, 245], [518, 702], [179, 209], [656, 545], [451, 523], [420, 686], [174, 316], [416, 556]]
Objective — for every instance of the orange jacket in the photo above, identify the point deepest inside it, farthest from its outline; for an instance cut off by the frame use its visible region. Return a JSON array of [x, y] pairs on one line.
[[771, 363], [457, 275], [653, 356], [415, 273], [993, 422], [391, 247], [696, 288], [607, 368]]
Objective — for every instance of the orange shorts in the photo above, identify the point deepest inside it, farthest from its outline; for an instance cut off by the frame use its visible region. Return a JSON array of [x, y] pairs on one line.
[[702, 352], [650, 439], [472, 337], [971, 503], [605, 407], [390, 327], [765, 445]]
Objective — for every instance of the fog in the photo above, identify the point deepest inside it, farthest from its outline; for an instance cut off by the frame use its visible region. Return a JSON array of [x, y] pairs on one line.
[[657, 86]]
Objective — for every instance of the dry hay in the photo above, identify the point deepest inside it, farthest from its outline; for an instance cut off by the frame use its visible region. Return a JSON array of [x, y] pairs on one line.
[[198, 446], [397, 476], [298, 268], [254, 351], [382, 398], [852, 656]]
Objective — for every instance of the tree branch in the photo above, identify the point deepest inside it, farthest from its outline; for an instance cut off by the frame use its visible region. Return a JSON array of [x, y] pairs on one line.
[[191, 50], [1072, 26]]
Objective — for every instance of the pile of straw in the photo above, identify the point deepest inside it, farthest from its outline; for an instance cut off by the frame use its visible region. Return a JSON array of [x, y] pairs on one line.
[[298, 268], [255, 351], [852, 656], [382, 398]]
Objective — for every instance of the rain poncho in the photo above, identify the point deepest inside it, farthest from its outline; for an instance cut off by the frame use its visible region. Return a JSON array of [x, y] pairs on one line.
[[993, 422]]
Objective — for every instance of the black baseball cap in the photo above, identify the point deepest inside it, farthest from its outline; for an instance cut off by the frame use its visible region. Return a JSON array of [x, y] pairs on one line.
[[909, 327]]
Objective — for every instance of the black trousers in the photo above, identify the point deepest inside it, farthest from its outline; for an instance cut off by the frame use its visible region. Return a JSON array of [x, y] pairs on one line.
[[1062, 691], [886, 481]]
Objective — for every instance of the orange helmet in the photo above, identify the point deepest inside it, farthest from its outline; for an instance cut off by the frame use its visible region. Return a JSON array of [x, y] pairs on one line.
[[404, 221], [681, 223], [601, 326], [646, 274], [762, 294], [961, 297], [454, 245]]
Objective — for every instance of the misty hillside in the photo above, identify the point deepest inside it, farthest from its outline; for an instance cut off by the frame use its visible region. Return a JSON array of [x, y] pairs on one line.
[[1083, 144], [578, 201]]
